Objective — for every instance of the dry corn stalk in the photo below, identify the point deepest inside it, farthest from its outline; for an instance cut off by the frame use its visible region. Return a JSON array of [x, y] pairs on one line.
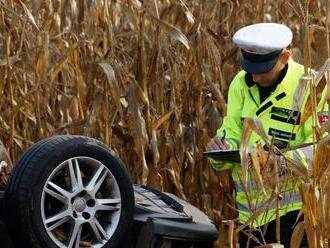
[[70, 66]]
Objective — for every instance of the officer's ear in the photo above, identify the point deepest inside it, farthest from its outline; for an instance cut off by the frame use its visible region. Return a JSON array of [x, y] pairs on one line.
[[285, 56]]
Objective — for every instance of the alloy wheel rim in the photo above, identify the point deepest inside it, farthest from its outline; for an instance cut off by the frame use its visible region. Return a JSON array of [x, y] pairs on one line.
[[81, 203]]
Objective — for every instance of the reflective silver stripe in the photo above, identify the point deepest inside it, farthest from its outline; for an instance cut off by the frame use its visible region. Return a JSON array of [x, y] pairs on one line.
[[242, 207], [296, 155], [299, 94], [250, 186], [307, 152], [288, 198], [302, 88]]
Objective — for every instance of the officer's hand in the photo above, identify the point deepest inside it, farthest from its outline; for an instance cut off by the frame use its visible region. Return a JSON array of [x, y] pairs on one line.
[[217, 143]]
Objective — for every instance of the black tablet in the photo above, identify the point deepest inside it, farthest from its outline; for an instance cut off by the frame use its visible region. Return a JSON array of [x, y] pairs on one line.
[[224, 155]]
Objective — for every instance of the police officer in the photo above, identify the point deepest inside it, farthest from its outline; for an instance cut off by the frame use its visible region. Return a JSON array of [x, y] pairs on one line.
[[268, 88]]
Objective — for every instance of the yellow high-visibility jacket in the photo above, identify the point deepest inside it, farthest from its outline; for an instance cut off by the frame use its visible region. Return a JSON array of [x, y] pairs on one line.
[[280, 115]]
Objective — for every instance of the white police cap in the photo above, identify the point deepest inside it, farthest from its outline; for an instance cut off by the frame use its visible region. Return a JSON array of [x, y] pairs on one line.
[[261, 45], [263, 38]]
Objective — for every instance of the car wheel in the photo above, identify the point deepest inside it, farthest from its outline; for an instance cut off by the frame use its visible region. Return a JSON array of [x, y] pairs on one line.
[[69, 191]]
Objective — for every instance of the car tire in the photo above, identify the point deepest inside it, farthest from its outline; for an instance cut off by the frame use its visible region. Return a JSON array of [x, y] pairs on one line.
[[6, 166], [69, 191]]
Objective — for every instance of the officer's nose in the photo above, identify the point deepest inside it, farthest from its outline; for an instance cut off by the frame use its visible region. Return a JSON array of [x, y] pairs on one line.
[[255, 77]]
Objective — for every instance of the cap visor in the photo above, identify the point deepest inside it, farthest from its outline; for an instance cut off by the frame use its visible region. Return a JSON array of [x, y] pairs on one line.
[[258, 67]]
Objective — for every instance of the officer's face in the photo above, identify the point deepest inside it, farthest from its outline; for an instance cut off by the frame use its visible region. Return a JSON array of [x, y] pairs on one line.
[[268, 79]]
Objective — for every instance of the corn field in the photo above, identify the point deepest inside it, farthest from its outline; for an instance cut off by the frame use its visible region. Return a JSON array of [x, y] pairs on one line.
[[150, 80]]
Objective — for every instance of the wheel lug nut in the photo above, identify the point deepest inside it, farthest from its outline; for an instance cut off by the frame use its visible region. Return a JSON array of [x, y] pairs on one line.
[[86, 215], [90, 203]]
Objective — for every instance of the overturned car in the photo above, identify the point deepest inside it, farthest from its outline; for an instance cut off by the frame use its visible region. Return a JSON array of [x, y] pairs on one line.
[[72, 191]]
